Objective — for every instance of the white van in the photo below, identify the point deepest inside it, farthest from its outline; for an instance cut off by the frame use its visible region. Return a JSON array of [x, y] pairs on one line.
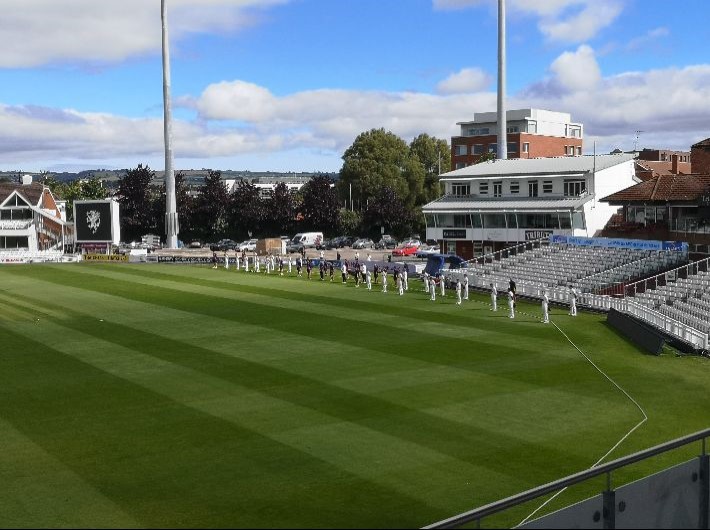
[[308, 239]]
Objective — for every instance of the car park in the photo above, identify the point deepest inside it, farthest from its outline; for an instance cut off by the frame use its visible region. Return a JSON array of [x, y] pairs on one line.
[[363, 243], [386, 242], [248, 246], [224, 244]]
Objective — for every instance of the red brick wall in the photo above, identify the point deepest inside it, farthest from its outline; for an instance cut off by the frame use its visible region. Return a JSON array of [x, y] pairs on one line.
[[540, 146], [700, 159]]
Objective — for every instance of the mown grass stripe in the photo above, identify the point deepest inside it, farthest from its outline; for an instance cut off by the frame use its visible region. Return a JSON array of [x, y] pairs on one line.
[[143, 450]]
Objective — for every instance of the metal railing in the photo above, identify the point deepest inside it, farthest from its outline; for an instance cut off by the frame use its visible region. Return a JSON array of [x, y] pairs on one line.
[[509, 251], [478, 514], [668, 324], [654, 282]]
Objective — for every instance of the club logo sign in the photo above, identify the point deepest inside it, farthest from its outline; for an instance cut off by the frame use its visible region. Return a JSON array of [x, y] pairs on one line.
[[93, 220]]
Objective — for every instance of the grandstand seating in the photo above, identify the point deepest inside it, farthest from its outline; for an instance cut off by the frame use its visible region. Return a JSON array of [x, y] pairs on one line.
[[686, 300], [587, 269]]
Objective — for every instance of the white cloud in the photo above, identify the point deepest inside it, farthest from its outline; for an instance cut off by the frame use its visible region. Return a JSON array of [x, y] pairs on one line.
[[37, 32], [583, 25], [559, 20], [578, 70], [644, 40], [464, 81], [237, 118]]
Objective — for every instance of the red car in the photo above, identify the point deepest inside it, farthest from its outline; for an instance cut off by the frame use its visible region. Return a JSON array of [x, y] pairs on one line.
[[405, 250]]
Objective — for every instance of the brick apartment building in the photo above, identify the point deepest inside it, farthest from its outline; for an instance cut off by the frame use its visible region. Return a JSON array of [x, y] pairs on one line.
[[532, 133], [700, 156]]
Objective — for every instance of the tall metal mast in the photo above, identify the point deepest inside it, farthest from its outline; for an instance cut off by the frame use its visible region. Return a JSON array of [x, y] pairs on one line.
[[502, 122], [171, 216]]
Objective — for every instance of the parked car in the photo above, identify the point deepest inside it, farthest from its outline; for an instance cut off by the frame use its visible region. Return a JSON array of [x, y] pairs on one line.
[[405, 250], [386, 241], [426, 250], [194, 244], [363, 243], [224, 244], [249, 245], [294, 248]]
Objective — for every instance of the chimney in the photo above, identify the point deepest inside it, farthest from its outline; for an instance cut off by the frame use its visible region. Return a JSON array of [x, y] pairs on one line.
[[674, 164]]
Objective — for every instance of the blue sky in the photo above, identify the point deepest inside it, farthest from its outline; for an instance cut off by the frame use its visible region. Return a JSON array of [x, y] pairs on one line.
[[288, 84]]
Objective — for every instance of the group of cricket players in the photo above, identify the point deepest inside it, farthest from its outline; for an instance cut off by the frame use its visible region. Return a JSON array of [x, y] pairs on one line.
[[364, 274]]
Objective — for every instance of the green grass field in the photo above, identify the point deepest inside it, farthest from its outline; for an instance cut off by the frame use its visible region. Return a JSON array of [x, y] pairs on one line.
[[172, 396]]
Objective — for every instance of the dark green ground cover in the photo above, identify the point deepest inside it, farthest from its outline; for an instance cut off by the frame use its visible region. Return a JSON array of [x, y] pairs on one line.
[[155, 395]]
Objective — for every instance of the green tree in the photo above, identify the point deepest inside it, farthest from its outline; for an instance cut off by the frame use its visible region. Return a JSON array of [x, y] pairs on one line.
[[246, 209], [136, 199], [435, 157], [389, 211], [319, 204], [211, 208], [376, 159], [92, 188], [349, 221], [280, 211]]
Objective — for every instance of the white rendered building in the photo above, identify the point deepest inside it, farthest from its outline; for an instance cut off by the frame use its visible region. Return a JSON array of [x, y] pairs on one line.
[[493, 205]]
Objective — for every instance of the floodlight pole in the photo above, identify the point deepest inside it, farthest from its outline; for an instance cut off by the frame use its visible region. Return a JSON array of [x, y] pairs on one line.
[[171, 216], [502, 123]]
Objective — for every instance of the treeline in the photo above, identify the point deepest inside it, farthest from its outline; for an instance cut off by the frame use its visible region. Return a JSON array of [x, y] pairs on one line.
[[382, 184]]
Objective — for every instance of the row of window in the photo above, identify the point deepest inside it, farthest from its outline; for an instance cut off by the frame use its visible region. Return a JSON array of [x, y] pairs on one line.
[[551, 220], [571, 188], [11, 242], [479, 149]]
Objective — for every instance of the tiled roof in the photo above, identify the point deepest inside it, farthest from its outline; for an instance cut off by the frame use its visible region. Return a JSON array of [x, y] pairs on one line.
[[702, 143], [31, 192], [538, 166], [664, 188]]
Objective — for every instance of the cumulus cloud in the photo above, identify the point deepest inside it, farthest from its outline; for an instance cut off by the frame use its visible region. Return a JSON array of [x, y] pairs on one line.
[[465, 80], [237, 117], [559, 20], [38, 32], [578, 70]]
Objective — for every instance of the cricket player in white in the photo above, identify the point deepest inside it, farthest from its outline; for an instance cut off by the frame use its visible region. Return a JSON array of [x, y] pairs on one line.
[[511, 303], [442, 285], [368, 279], [246, 263], [257, 265], [545, 307], [400, 285], [426, 282], [458, 291], [237, 258], [465, 286], [405, 278], [289, 264], [432, 288], [268, 266], [573, 302], [494, 297], [384, 280]]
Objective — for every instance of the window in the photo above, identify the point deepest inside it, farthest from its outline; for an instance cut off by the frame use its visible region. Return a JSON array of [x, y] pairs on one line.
[[497, 189], [459, 190], [547, 186], [478, 132], [515, 187], [574, 188], [513, 129], [512, 147], [493, 220], [477, 149], [460, 165], [532, 188], [462, 221], [579, 151], [483, 188], [526, 147], [461, 150], [493, 148], [575, 132], [532, 126]]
